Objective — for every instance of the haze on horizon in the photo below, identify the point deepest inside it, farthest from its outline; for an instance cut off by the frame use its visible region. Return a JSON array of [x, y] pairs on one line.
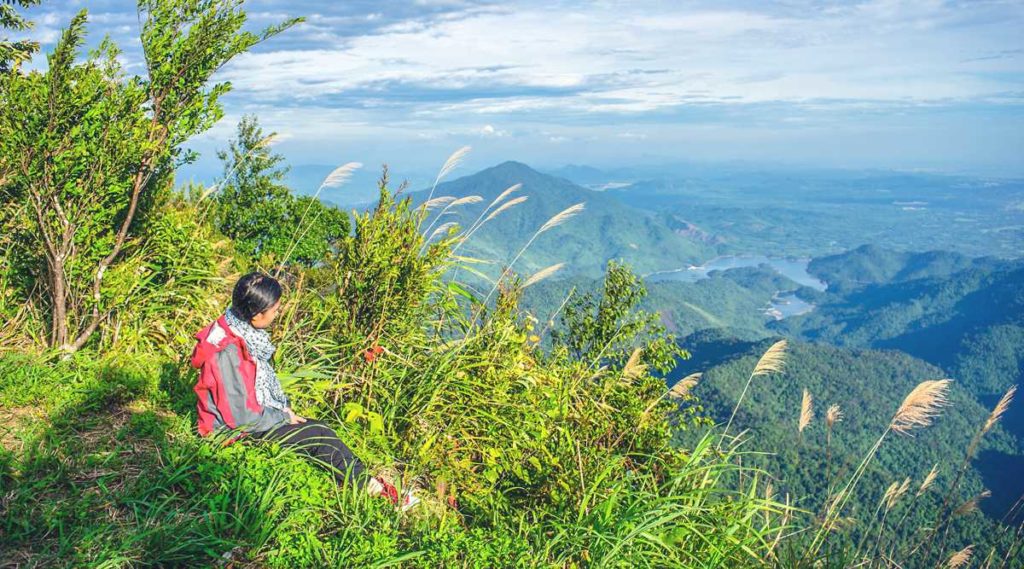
[[877, 84]]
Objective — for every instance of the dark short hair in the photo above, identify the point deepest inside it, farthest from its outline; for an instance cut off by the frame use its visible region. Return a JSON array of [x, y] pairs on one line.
[[254, 293]]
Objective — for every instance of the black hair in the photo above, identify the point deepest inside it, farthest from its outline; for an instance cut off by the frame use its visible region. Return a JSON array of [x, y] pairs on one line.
[[254, 293]]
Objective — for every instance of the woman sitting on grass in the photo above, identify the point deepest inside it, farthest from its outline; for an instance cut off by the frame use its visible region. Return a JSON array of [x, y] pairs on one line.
[[238, 390]]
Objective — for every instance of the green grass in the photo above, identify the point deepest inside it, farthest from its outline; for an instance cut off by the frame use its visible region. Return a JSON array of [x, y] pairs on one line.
[[103, 473]]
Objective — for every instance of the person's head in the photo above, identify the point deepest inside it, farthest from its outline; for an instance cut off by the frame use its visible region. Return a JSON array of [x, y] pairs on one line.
[[256, 299]]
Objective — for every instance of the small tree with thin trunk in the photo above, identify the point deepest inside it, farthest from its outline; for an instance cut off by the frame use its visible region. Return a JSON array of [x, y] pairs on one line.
[[84, 147]]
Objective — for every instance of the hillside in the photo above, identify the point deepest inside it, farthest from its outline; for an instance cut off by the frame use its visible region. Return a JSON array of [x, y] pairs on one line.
[[867, 385], [605, 230], [923, 305], [734, 299], [872, 264]]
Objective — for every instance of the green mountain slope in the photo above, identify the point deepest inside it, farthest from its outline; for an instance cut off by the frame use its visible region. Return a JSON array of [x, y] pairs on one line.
[[868, 385], [733, 299], [605, 230], [950, 320], [871, 264]]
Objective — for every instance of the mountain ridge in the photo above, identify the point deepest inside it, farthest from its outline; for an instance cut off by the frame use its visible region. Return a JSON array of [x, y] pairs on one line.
[[606, 229]]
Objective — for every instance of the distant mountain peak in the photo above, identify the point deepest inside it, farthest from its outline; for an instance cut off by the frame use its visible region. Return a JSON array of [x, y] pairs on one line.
[[511, 168]]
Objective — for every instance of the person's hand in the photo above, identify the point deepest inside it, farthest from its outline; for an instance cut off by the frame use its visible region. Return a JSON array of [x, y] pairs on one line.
[[293, 418]]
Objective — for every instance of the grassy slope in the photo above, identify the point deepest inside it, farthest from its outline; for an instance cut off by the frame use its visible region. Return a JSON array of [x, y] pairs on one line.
[[97, 467]]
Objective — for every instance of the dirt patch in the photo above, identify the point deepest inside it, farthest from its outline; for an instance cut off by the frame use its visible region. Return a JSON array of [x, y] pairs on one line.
[[15, 421]]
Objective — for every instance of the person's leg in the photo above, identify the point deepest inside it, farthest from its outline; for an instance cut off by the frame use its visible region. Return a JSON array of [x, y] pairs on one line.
[[320, 442]]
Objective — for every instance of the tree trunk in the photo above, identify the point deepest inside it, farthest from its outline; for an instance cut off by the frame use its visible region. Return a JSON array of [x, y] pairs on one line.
[[58, 294]]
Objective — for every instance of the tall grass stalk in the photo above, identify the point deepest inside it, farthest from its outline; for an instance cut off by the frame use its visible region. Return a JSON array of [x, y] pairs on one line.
[[336, 178], [772, 361], [806, 411], [918, 409], [558, 219], [945, 518], [450, 164], [832, 416]]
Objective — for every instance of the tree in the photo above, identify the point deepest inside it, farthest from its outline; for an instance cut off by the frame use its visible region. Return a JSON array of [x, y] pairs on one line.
[[85, 147], [607, 329], [13, 52], [258, 212]]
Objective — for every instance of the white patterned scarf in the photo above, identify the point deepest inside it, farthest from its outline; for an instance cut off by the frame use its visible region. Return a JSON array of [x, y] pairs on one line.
[[257, 341]]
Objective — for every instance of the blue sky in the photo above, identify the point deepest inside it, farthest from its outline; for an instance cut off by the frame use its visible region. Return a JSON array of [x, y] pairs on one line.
[[918, 84]]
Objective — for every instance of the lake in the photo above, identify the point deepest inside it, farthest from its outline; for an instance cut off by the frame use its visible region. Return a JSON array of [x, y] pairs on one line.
[[793, 269], [783, 305]]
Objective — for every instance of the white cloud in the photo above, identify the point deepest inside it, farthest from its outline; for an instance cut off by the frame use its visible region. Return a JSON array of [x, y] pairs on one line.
[[628, 58], [489, 131]]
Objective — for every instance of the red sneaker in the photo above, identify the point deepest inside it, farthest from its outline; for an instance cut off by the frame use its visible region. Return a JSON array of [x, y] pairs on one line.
[[388, 491]]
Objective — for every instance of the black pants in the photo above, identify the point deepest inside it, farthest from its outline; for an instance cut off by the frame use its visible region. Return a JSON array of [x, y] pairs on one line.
[[321, 443]]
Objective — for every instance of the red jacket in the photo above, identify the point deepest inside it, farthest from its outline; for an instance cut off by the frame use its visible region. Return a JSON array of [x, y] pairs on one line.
[[226, 389]]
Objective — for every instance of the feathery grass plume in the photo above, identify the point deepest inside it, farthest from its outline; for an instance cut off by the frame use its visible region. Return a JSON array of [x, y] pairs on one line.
[[928, 480], [683, 386], [543, 274], [561, 217], [450, 164], [999, 409], [633, 368], [441, 229], [501, 197], [338, 176], [806, 411], [972, 504], [511, 203], [773, 360], [465, 200], [833, 415], [265, 141], [897, 492], [960, 558], [438, 202], [921, 405], [888, 492]]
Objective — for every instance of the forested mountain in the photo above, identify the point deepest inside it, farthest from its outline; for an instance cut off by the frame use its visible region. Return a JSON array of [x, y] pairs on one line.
[[872, 264], [867, 385], [969, 322], [734, 299], [540, 425]]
